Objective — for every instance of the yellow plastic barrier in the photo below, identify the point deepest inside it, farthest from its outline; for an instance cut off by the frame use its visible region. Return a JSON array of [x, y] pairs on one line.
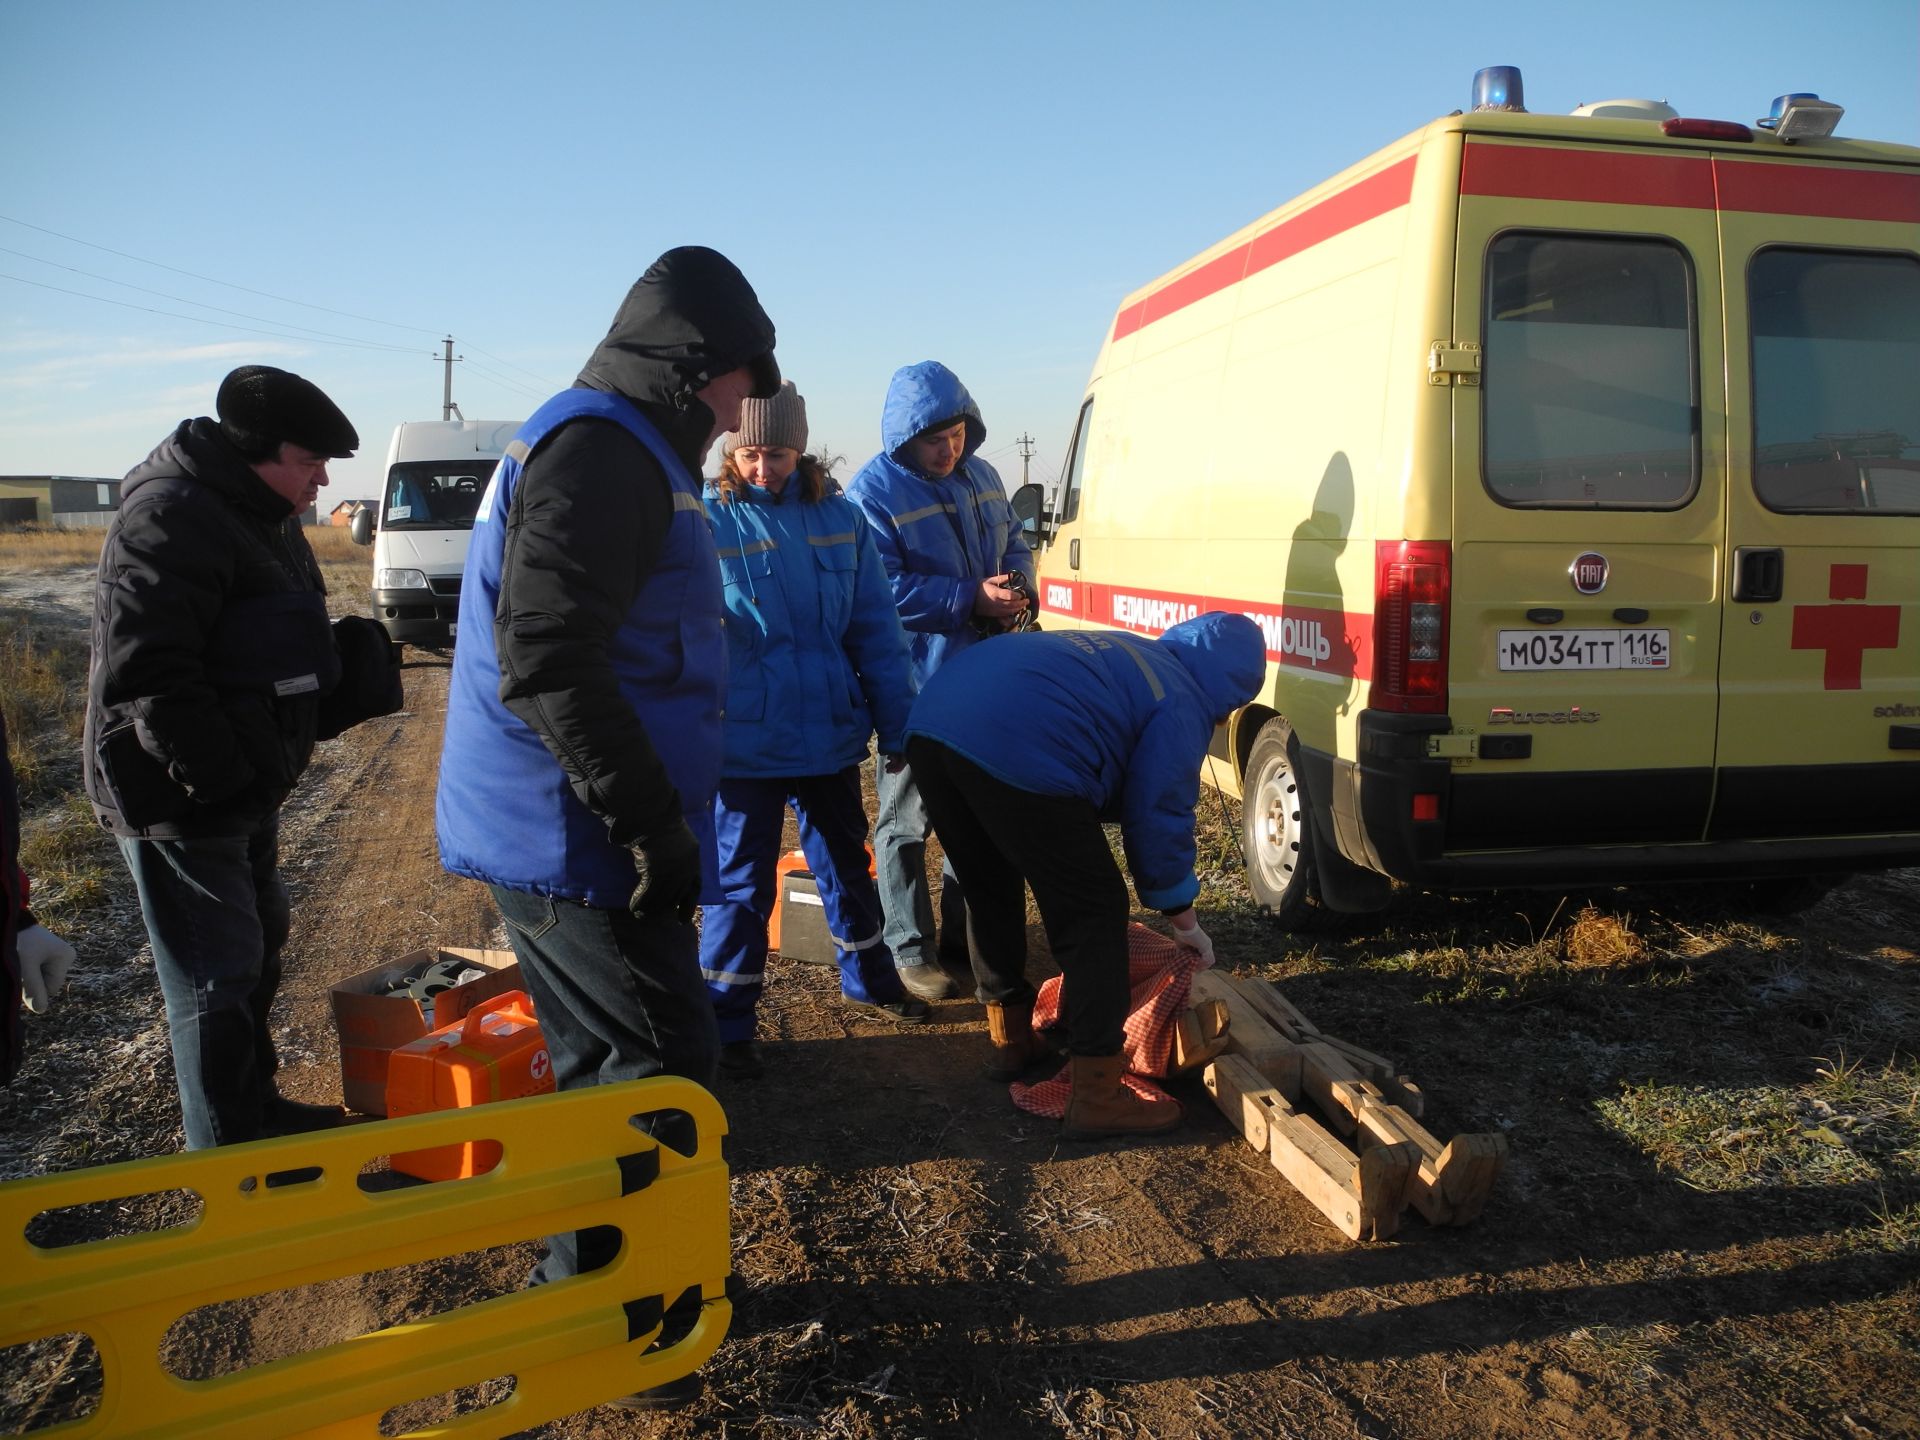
[[570, 1161]]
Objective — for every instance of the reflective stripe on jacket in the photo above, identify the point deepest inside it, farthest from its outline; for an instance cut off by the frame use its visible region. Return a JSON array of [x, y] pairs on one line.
[[938, 538], [817, 660]]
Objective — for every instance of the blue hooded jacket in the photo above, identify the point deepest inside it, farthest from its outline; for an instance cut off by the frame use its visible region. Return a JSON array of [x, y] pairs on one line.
[[1120, 721], [938, 538], [817, 661]]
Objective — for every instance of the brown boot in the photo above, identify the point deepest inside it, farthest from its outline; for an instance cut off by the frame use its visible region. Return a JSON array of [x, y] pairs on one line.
[[1102, 1105], [1015, 1046]]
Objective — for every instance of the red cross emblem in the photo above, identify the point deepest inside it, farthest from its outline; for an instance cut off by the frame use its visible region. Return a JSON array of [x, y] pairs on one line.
[[1845, 632]]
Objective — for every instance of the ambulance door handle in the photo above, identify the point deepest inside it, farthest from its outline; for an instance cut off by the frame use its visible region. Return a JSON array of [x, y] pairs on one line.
[[1759, 573], [1073, 553]]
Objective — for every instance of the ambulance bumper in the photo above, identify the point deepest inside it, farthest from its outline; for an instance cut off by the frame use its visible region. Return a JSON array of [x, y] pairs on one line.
[[1370, 805]]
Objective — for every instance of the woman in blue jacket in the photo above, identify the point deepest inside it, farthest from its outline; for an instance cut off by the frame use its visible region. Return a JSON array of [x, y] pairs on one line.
[[1108, 727], [817, 662]]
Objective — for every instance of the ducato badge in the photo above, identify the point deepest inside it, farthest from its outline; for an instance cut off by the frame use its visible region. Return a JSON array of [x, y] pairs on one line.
[[1588, 573]]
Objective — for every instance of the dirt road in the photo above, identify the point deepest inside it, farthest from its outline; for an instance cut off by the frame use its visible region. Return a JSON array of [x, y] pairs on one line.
[[921, 1259]]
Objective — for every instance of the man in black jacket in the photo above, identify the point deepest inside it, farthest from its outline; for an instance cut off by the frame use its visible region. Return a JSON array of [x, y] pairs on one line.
[[582, 746], [214, 671]]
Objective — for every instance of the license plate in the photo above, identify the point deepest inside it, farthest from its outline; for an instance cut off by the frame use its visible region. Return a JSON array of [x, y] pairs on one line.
[[1634, 649]]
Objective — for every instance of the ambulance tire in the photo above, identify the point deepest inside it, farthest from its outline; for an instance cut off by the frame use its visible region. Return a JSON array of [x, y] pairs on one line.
[[1276, 830]]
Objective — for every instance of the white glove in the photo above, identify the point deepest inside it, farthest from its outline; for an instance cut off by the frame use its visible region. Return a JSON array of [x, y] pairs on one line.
[[44, 960], [1189, 936]]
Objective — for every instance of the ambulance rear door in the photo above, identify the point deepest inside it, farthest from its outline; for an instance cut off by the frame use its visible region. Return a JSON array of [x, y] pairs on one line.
[[1819, 729], [1589, 472]]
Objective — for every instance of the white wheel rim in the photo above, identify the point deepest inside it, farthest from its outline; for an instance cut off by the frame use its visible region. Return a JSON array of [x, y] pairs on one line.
[[1276, 825]]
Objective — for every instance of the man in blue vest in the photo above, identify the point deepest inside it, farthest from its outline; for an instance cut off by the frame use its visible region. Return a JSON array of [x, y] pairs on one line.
[[961, 571], [582, 745]]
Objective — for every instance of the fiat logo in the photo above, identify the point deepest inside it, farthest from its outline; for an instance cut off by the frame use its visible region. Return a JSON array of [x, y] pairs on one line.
[[1588, 573]]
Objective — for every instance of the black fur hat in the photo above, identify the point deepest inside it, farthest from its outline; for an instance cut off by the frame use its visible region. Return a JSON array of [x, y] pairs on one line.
[[260, 407]]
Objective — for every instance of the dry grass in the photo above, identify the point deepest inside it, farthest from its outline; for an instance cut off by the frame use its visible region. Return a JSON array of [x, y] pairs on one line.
[[43, 547], [43, 700]]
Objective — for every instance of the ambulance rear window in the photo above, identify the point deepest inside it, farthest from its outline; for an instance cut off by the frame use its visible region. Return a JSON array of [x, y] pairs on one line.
[[1589, 373], [1836, 381]]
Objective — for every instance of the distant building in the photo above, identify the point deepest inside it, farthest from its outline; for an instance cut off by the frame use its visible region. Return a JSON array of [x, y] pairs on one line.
[[343, 513], [70, 501]]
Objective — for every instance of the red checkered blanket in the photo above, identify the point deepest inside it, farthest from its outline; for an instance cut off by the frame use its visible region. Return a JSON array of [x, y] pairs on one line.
[[1159, 973]]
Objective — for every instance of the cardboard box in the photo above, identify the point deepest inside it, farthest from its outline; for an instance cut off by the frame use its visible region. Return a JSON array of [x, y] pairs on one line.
[[373, 1023]]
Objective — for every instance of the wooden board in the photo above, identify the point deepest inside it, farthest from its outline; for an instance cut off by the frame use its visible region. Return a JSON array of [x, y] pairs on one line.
[[1363, 1195], [1248, 1035], [1279, 1070]]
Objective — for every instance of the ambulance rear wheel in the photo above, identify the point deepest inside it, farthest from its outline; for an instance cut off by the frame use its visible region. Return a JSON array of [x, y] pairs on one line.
[[1276, 831]]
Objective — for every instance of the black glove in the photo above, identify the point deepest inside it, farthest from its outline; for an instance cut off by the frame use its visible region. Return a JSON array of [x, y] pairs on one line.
[[668, 865], [369, 676]]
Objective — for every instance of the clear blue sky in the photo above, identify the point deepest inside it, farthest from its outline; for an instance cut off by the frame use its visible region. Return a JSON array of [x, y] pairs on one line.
[[979, 184]]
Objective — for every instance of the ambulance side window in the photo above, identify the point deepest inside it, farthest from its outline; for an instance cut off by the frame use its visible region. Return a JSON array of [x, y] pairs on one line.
[[1589, 373], [1069, 507], [1836, 407]]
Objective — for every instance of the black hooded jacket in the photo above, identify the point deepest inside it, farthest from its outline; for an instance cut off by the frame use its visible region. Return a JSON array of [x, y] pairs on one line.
[[211, 647], [589, 518]]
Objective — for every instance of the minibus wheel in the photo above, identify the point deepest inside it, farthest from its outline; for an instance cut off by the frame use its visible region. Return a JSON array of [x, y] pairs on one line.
[[1276, 831]]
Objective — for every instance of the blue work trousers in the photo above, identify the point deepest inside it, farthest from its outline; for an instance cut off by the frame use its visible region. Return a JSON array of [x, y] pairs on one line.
[[748, 815], [217, 915], [618, 997]]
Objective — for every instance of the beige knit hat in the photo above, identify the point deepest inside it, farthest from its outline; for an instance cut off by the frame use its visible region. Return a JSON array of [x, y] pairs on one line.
[[780, 421]]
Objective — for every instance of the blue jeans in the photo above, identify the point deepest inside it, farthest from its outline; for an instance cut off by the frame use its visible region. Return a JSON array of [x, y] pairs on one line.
[[618, 997], [748, 815], [217, 915], [900, 833]]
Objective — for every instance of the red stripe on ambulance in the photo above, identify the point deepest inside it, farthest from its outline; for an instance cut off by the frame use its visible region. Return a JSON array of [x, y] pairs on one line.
[[1600, 177], [1362, 201], [1325, 642], [1825, 191], [1691, 182]]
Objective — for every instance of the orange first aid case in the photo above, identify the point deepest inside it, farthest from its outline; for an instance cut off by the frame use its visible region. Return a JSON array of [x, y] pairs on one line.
[[495, 1053]]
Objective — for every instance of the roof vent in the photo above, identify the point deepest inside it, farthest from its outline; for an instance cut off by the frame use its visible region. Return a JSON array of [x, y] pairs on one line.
[[1628, 110]]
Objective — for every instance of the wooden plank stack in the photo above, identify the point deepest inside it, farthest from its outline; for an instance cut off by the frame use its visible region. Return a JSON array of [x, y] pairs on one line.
[[1364, 1157]]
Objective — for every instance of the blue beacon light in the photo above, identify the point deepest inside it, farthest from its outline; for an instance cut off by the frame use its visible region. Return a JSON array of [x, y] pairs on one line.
[[1497, 87]]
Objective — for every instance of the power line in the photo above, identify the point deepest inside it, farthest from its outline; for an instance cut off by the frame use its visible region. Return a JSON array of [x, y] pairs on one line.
[[266, 294], [505, 382], [547, 386], [183, 300], [217, 324], [544, 382]]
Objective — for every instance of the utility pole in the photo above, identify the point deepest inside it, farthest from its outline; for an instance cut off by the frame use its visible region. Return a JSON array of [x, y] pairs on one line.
[[1026, 454], [447, 408]]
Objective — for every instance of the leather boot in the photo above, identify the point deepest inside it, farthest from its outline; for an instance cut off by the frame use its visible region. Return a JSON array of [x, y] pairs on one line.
[[1015, 1045], [1101, 1104]]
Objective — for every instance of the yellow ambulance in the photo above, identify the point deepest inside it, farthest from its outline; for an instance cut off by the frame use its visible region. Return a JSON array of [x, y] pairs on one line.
[[1571, 465]]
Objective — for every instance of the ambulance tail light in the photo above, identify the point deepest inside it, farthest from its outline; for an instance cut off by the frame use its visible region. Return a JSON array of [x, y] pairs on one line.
[[1410, 588], [1682, 128]]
